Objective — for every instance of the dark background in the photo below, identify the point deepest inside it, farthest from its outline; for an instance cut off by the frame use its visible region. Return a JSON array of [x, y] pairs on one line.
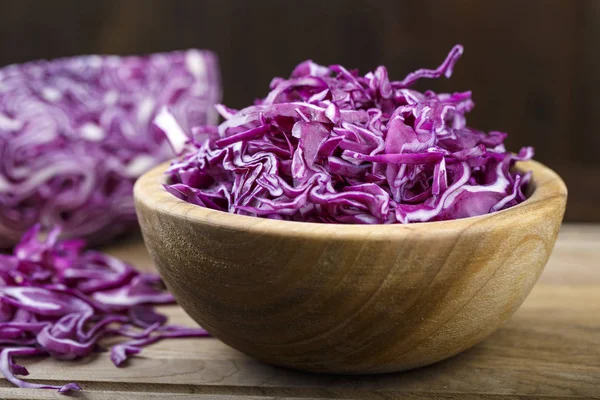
[[534, 66]]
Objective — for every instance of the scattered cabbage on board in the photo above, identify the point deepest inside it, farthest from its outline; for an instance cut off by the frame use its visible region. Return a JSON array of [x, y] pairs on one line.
[[330, 145], [76, 132], [57, 299]]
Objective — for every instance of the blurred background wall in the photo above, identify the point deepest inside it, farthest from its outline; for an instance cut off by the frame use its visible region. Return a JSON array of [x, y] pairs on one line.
[[534, 66]]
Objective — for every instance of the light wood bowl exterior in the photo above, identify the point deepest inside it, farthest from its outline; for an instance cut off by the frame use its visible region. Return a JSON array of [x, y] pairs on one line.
[[350, 298]]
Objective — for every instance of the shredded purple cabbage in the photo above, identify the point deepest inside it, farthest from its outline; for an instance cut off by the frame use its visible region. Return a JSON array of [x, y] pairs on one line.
[[329, 145], [58, 300], [75, 133]]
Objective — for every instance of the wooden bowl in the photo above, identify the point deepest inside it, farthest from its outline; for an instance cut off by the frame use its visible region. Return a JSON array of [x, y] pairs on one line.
[[350, 298]]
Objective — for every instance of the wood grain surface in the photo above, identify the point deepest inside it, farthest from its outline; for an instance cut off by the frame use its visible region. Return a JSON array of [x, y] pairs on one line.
[[550, 348], [352, 299]]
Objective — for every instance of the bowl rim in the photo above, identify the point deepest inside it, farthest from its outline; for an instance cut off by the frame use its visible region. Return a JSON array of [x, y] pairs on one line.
[[149, 191]]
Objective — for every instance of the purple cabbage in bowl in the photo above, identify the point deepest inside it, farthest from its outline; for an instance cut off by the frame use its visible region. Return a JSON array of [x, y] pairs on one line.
[[331, 145]]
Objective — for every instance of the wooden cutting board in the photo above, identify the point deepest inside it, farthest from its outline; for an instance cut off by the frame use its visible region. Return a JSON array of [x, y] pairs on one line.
[[549, 349]]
